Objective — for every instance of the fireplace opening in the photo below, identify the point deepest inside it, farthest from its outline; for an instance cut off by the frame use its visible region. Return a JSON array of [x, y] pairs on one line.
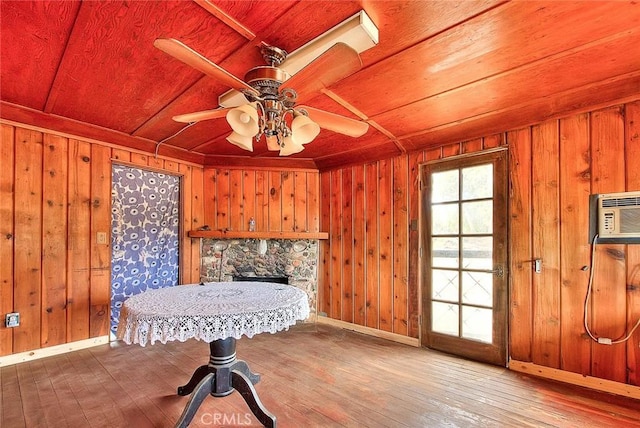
[[276, 279]]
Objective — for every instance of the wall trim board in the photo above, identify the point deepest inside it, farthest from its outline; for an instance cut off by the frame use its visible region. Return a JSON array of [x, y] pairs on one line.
[[149, 167], [8, 360], [411, 341], [95, 141], [591, 382], [254, 164]]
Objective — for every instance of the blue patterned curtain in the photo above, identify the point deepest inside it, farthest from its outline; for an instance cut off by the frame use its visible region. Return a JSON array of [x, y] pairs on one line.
[[144, 233]]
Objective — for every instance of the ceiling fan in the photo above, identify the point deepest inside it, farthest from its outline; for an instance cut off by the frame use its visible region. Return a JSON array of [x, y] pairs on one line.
[[272, 94]]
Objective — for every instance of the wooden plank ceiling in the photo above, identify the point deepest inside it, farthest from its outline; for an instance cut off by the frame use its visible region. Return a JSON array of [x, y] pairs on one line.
[[443, 71]]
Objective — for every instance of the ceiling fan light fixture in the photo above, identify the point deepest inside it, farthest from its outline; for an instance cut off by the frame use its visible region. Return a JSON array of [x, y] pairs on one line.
[[290, 146], [244, 120], [242, 141], [303, 129], [269, 108]]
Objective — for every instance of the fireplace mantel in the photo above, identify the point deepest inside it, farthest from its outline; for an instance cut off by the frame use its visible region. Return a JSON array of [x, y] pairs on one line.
[[243, 234]]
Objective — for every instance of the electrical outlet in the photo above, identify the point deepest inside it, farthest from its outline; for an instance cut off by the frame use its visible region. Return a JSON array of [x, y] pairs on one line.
[[101, 238], [12, 319]]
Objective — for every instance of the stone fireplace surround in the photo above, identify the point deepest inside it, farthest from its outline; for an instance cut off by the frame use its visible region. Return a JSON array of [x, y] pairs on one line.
[[296, 259]]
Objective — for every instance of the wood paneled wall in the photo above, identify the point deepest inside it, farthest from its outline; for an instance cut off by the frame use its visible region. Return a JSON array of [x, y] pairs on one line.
[[369, 268], [278, 200], [55, 196], [555, 166]]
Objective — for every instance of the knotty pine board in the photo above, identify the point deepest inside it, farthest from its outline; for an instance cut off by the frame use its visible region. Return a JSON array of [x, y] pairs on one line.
[[6, 232], [100, 288], [632, 152], [520, 245], [336, 240], [358, 253], [372, 245], [546, 244], [575, 250], [79, 240], [400, 242], [608, 318], [54, 241], [385, 243], [27, 287], [347, 247]]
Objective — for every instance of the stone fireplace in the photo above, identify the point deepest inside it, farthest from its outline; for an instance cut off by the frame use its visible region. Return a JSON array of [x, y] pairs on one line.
[[297, 260]]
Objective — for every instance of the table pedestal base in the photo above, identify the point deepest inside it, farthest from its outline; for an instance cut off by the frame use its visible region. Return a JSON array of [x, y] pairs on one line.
[[224, 374]]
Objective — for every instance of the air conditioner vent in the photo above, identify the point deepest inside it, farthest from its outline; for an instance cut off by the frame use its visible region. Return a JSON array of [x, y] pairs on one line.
[[620, 202]]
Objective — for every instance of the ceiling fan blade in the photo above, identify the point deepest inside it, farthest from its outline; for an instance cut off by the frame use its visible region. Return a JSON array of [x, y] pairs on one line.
[[336, 123], [336, 63], [201, 115], [184, 53]]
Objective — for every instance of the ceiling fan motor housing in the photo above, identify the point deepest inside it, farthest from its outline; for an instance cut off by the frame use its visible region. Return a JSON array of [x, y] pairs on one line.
[[266, 80]]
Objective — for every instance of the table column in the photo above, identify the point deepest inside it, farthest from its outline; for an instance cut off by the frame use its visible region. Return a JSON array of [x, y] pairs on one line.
[[224, 374]]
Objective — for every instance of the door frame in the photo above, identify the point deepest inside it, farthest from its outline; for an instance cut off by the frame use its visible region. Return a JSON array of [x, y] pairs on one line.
[[484, 352]]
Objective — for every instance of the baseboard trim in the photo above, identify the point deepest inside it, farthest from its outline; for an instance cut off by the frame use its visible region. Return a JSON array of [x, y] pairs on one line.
[[395, 337], [22, 357], [591, 382]]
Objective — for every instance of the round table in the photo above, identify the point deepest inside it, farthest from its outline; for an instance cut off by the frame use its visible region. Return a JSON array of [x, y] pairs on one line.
[[218, 313]]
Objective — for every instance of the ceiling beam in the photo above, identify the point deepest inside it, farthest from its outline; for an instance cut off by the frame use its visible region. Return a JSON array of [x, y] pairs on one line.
[[228, 20]]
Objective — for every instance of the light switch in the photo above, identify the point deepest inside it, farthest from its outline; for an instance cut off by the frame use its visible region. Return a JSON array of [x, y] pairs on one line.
[[102, 238]]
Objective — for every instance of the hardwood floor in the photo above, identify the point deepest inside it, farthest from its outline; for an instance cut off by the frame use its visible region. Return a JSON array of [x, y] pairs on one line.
[[312, 376]]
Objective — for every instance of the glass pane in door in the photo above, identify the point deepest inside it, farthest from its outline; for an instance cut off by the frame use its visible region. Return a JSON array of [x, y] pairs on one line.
[[477, 289], [477, 217], [445, 318], [445, 219], [477, 252], [445, 252], [445, 285], [446, 186], [477, 182], [476, 324]]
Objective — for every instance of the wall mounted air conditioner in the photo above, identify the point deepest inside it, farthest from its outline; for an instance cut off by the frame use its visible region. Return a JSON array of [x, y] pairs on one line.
[[617, 216]]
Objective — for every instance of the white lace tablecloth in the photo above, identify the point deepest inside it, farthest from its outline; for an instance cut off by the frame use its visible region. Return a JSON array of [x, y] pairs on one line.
[[211, 312]]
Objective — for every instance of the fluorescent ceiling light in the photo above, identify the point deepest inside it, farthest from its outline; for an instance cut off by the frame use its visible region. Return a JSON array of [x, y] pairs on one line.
[[359, 32]]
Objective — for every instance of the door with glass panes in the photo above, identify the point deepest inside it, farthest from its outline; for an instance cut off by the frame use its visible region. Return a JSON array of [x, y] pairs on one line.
[[464, 256]]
